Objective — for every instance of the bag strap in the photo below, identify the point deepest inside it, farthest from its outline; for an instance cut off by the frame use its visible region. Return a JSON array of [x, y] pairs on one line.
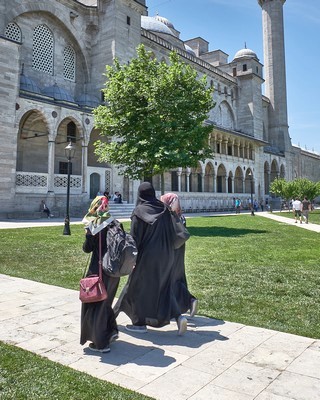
[[86, 267], [100, 256], [100, 260]]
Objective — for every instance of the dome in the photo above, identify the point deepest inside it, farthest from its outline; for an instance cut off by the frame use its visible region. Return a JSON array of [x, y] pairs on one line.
[[58, 93], [28, 85], [189, 50], [245, 53], [164, 21], [86, 100], [154, 25]]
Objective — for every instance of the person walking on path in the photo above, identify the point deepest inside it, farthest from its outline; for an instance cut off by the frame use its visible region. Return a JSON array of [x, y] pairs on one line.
[[98, 322], [296, 207], [238, 205], [185, 299], [148, 297], [306, 207]]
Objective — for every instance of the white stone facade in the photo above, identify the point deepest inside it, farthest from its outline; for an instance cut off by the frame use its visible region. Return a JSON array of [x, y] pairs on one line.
[[52, 60]]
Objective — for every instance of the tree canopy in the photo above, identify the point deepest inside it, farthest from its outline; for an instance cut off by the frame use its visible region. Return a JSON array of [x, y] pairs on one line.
[[154, 112], [300, 188]]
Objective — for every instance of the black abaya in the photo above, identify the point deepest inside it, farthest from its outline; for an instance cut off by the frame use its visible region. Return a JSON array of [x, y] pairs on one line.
[[148, 297], [98, 321]]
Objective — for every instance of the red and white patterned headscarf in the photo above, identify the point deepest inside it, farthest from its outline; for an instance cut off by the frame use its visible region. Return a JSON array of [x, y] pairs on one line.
[[172, 200]]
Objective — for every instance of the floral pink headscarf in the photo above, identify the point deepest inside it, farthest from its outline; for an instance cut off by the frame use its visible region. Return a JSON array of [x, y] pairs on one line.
[[172, 200], [98, 215]]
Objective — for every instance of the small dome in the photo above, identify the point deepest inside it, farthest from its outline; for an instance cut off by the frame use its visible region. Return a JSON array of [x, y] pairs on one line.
[[189, 50], [86, 100], [58, 93], [28, 85], [164, 21], [245, 53], [154, 25]]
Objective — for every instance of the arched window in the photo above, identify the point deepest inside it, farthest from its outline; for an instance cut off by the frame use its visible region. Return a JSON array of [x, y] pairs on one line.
[[42, 51], [71, 132], [13, 32], [69, 63]]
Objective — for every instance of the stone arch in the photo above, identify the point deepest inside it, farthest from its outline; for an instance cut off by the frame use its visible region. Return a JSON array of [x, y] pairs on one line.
[[274, 171], [221, 179], [225, 115], [266, 174], [196, 179], [62, 20], [92, 157], [209, 177], [248, 182], [238, 180], [32, 142], [63, 137], [230, 180]]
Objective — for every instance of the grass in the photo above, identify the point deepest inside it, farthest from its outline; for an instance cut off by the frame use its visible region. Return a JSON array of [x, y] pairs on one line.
[[249, 270], [27, 376]]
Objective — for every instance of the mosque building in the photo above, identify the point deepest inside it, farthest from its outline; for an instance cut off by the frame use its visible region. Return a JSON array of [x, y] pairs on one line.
[[52, 64]]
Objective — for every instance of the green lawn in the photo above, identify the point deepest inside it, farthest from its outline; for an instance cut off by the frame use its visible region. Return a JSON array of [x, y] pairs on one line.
[[249, 270]]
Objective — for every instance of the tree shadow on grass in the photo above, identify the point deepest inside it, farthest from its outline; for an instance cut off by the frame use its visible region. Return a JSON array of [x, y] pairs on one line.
[[211, 231]]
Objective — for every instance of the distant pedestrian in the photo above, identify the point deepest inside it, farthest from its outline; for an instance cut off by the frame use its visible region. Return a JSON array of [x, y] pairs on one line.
[[297, 207], [306, 207], [44, 208], [238, 205], [261, 205]]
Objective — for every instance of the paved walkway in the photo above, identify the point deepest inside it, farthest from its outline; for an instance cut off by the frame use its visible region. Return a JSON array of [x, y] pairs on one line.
[[215, 359]]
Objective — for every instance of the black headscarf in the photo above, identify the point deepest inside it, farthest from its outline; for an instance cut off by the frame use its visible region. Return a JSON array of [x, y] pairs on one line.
[[148, 207]]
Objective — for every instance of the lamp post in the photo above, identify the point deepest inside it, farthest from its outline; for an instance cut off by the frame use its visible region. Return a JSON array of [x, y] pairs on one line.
[[69, 152], [251, 192]]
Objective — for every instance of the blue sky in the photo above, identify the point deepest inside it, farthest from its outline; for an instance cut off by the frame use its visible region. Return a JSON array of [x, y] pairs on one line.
[[229, 24]]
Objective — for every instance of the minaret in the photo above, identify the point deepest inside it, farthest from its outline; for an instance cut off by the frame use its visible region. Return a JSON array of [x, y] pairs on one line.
[[275, 72]]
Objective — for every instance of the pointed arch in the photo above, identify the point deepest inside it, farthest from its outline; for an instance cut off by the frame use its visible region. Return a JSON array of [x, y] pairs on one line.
[[209, 177], [274, 171], [221, 179], [32, 143], [196, 179], [266, 170], [225, 115], [230, 181], [238, 180]]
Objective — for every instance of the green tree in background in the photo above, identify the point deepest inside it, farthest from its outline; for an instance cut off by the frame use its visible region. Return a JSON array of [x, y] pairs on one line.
[[300, 188], [155, 114]]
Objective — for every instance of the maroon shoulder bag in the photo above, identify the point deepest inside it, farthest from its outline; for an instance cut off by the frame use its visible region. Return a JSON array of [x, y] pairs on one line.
[[92, 288]]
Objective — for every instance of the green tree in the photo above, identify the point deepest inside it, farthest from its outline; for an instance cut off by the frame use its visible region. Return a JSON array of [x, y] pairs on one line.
[[155, 114], [300, 188], [305, 187]]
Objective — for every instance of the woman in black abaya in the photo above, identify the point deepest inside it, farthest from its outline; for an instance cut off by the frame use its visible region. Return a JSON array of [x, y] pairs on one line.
[[148, 297], [185, 299], [98, 323]]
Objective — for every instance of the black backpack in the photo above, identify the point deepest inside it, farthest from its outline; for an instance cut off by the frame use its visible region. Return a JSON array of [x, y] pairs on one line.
[[122, 252]]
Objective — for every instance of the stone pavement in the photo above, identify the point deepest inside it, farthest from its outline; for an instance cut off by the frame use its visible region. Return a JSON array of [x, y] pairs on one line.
[[215, 359]]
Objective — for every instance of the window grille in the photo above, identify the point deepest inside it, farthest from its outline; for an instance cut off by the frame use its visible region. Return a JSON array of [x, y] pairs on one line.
[[69, 64], [63, 167], [42, 59], [107, 181], [13, 32]]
